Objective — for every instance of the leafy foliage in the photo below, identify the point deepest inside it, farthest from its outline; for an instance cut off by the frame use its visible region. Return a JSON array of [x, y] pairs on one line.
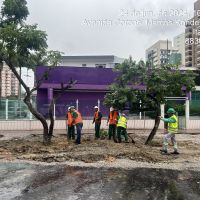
[[136, 82], [23, 45], [14, 11], [141, 88]]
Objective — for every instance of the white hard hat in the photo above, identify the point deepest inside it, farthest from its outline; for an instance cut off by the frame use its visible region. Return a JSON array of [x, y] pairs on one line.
[[111, 109], [69, 108], [96, 107]]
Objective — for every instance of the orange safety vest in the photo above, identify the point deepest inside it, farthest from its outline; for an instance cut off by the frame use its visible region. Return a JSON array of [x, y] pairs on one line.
[[113, 117], [96, 116], [78, 120], [69, 118]]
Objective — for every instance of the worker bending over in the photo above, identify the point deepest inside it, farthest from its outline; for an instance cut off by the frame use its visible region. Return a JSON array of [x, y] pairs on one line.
[[121, 128]]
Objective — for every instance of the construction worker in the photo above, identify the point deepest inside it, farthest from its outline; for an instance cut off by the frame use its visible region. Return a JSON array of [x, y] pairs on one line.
[[97, 121], [70, 126], [171, 131], [112, 120], [121, 128], [78, 122]]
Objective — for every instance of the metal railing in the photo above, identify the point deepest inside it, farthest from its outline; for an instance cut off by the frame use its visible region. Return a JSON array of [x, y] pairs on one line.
[[14, 110]]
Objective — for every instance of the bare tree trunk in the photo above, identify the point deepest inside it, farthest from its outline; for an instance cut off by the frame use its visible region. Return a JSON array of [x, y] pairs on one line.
[[51, 126], [47, 131], [53, 101], [27, 101], [155, 128]]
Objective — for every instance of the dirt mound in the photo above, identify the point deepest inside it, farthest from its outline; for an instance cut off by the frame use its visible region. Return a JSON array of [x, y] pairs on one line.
[[31, 148]]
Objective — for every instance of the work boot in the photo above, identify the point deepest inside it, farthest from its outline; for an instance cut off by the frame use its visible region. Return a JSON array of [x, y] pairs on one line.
[[163, 151], [175, 152]]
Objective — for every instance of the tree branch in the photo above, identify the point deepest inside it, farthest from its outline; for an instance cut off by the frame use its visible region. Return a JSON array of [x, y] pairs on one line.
[[40, 81], [12, 67]]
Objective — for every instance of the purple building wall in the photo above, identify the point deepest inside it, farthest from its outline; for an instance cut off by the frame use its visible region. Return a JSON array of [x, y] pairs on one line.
[[92, 85]]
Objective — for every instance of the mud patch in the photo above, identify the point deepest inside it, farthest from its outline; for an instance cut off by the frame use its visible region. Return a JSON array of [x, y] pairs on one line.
[[31, 148], [61, 150]]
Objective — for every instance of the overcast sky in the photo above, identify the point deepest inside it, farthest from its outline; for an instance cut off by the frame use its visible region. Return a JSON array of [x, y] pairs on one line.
[[100, 27]]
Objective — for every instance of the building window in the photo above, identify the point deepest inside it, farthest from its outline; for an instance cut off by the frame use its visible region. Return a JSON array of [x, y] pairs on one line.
[[84, 65], [100, 65]]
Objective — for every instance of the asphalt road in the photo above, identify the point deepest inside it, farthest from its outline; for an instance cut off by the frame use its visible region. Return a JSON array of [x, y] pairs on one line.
[[59, 182]]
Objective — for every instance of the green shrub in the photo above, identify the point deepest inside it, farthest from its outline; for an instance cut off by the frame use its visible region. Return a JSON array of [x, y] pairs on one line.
[[103, 133]]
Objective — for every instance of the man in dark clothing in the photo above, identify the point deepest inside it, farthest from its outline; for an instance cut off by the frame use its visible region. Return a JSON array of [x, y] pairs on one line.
[[112, 120], [70, 126], [97, 121]]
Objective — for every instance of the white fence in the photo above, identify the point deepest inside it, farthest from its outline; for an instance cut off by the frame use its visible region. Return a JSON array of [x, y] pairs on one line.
[[22, 125], [61, 124]]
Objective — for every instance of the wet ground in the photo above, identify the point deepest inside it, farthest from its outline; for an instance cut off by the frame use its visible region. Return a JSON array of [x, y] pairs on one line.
[[26, 181]]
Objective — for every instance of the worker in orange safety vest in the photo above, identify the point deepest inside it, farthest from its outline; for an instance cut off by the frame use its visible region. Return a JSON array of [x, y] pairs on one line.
[[112, 120], [97, 121], [70, 126], [78, 122]]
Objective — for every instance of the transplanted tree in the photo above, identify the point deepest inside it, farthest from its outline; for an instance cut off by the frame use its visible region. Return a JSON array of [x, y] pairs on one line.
[[136, 82], [23, 45], [162, 82]]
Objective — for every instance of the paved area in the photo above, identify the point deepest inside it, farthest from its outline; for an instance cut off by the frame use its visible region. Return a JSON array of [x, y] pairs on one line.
[[26, 181]]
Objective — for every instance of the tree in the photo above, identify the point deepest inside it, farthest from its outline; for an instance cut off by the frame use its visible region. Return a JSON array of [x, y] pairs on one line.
[[137, 83], [23, 45]]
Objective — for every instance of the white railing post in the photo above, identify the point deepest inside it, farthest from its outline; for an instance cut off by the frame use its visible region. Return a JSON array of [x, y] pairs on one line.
[[187, 113], [31, 115], [162, 108], [98, 102], [140, 111], [54, 111], [6, 109], [77, 104]]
